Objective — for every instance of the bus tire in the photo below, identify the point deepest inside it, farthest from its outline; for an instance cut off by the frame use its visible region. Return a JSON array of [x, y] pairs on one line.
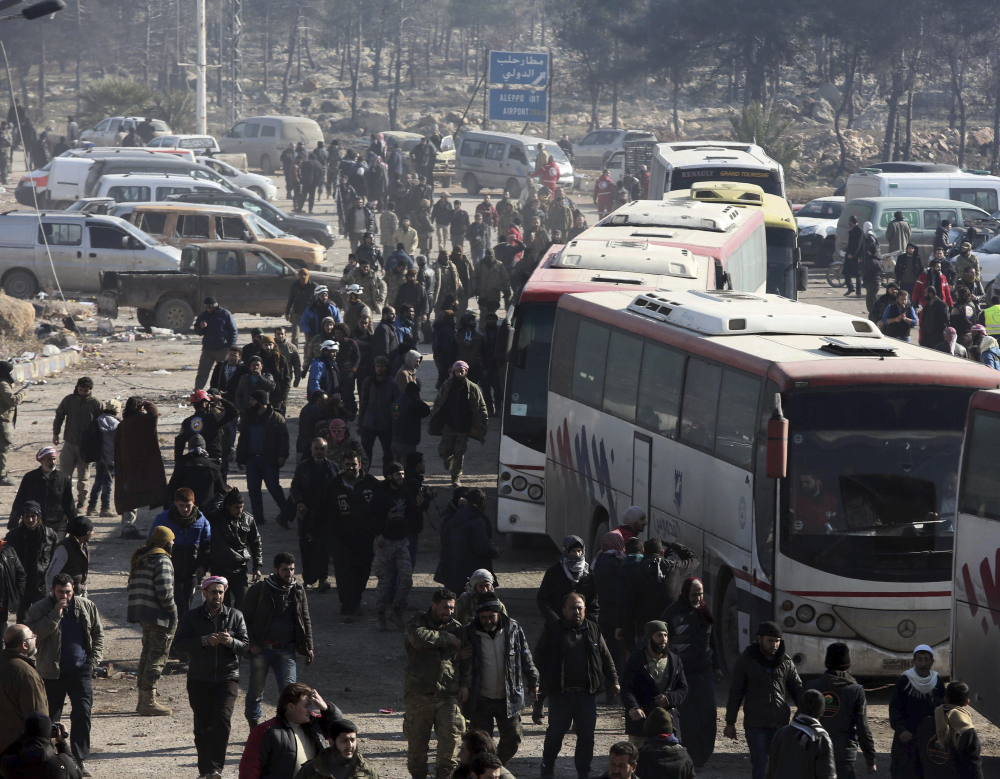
[[728, 619]]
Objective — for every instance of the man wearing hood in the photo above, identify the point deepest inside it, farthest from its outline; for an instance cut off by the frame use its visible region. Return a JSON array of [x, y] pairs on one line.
[[845, 718], [9, 401], [199, 473], [33, 756], [235, 543], [764, 679], [916, 695], [653, 585], [192, 539], [377, 395], [151, 603], [139, 479], [262, 451], [459, 413], [275, 365], [569, 574], [320, 308], [277, 616], [407, 413], [653, 678], [341, 759], [34, 545], [326, 333], [371, 288], [22, 690], [661, 755], [300, 296], [469, 544], [803, 749]]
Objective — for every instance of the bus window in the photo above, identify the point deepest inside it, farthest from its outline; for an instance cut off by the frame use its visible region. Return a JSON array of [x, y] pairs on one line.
[[737, 418], [701, 397], [981, 481], [620, 388], [660, 389], [561, 380], [588, 365]]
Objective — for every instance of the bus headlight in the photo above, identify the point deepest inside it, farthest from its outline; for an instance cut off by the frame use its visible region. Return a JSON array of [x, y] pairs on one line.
[[535, 492], [826, 623], [519, 483], [505, 489], [805, 613]]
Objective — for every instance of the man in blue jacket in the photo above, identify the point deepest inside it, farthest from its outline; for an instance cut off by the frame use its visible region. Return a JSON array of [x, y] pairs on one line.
[[318, 310], [218, 333], [323, 373]]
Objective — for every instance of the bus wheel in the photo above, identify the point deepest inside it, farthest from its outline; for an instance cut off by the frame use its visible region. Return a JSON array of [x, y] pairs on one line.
[[729, 622]]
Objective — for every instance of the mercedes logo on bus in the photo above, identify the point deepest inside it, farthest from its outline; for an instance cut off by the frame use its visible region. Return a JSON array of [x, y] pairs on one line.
[[907, 628]]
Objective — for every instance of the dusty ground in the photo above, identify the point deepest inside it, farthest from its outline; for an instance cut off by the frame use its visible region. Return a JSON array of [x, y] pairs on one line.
[[357, 667]]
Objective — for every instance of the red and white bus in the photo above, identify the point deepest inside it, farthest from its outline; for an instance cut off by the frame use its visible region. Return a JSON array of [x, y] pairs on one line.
[[695, 245], [662, 400], [975, 626]]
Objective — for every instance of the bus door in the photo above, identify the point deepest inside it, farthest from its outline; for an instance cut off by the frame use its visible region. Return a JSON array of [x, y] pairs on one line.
[[642, 466]]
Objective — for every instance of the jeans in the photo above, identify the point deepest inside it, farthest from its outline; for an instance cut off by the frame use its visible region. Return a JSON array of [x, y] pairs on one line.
[[282, 663], [78, 684], [258, 471], [384, 437], [759, 742], [566, 709], [102, 484], [212, 704]]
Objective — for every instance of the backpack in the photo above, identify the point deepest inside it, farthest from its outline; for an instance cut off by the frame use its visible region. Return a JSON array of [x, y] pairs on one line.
[[92, 443]]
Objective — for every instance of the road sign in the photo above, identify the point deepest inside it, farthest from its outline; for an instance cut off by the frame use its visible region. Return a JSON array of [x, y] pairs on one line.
[[525, 69], [518, 105]]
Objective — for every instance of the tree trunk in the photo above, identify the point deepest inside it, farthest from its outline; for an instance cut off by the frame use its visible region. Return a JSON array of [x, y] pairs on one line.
[[379, 46], [267, 43], [292, 40], [394, 98], [846, 104], [675, 97], [595, 99], [41, 74], [356, 72], [614, 86], [79, 53], [957, 88], [908, 144], [148, 38], [447, 48]]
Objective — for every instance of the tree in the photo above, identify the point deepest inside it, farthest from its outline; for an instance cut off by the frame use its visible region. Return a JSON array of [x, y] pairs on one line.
[[114, 96], [760, 124]]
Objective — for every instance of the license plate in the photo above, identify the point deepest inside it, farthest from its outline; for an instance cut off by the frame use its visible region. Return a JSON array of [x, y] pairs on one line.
[[896, 664]]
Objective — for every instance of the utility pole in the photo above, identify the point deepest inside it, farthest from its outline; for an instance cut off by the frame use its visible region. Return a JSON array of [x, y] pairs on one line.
[[237, 60], [201, 69]]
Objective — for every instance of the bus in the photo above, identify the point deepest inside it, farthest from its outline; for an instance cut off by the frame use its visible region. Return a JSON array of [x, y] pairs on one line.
[[717, 246], [975, 624], [678, 165], [663, 400], [785, 274]]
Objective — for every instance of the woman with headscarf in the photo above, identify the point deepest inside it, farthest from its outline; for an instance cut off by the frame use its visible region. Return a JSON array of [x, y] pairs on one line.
[[871, 265], [482, 580], [606, 567], [140, 480], [692, 637], [989, 352], [9, 401], [569, 574]]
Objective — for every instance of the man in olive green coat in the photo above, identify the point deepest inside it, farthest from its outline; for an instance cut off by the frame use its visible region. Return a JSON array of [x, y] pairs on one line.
[[9, 401], [435, 651]]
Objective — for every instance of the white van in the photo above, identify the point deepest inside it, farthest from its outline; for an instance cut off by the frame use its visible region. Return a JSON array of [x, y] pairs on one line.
[[150, 187], [504, 161], [263, 138], [978, 189], [82, 247]]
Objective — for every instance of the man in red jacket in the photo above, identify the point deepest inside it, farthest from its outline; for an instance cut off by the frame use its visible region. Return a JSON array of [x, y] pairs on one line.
[[549, 174], [604, 194]]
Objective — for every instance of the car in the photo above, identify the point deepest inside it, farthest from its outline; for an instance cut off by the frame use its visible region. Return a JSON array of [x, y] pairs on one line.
[[199, 144], [817, 223], [262, 186], [103, 133], [305, 227], [150, 187], [596, 146]]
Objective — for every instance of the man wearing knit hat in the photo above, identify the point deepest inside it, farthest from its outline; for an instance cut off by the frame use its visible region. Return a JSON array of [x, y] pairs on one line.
[[501, 676], [764, 678], [151, 603], [50, 488], [661, 755], [845, 716], [72, 555], [34, 545], [653, 679]]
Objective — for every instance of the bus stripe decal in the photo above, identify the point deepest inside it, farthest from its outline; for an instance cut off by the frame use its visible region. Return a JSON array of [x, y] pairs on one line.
[[838, 594]]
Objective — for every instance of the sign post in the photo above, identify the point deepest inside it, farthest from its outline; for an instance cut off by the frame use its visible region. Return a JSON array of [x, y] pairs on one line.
[[530, 72]]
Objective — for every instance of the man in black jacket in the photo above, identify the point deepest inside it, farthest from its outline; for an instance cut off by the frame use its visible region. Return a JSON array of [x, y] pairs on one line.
[[210, 420], [653, 678], [300, 297], [34, 544], [310, 479], [845, 717], [261, 451], [199, 473], [653, 585], [277, 615], [348, 503], [226, 375], [574, 663], [215, 637], [569, 574], [392, 561], [235, 542], [50, 488], [12, 581], [764, 679]]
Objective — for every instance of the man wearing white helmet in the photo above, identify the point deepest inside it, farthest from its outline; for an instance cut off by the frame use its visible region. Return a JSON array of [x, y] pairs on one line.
[[373, 289], [323, 373], [355, 307], [318, 310]]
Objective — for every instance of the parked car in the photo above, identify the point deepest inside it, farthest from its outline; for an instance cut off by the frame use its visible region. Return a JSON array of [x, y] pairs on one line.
[[103, 133], [180, 224], [305, 227], [82, 246], [817, 223], [150, 187], [261, 186], [595, 147], [263, 138], [444, 167], [504, 161], [199, 144], [248, 277]]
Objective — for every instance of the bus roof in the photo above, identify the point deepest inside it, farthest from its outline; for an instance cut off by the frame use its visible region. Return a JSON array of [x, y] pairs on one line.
[[714, 153], [806, 345], [777, 212]]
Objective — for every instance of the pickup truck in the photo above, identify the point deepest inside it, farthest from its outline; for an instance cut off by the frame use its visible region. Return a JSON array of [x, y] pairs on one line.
[[245, 278]]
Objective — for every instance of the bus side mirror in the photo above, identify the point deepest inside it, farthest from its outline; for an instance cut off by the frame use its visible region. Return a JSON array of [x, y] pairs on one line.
[[505, 341], [801, 278], [777, 442]]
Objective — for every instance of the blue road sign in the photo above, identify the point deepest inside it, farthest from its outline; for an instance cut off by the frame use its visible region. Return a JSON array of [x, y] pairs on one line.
[[518, 105], [525, 69]]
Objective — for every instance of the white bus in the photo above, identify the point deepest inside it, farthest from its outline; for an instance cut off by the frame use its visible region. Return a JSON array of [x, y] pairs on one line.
[[681, 164], [662, 400]]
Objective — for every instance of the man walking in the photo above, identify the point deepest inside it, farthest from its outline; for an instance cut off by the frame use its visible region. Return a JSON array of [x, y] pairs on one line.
[[918, 692], [574, 663], [235, 544], [897, 233], [77, 411], [22, 690], [764, 679], [34, 545], [50, 489], [70, 647], [9, 401], [459, 413], [501, 675], [300, 296], [310, 479], [431, 687], [261, 451], [803, 749], [376, 397], [653, 678], [392, 563], [215, 636], [277, 618], [218, 333], [151, 603]]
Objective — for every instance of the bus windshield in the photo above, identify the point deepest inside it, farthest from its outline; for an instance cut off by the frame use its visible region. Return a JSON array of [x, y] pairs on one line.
[[781, 262], [683, 178], [872, 482], [526, 398]]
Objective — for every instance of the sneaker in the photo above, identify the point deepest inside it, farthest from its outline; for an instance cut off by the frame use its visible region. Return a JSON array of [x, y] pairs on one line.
[[848, 293]]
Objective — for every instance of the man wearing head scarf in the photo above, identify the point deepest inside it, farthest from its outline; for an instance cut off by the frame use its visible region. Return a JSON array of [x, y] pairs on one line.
[[653, 678], [569, 574], [481, 582], [151, 603], [917, 693], [34, 545], [951, 344], [235, 543], [50, 488], [653, 585], [33, 756], [803, 749], [9, 401], [459, 413]]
